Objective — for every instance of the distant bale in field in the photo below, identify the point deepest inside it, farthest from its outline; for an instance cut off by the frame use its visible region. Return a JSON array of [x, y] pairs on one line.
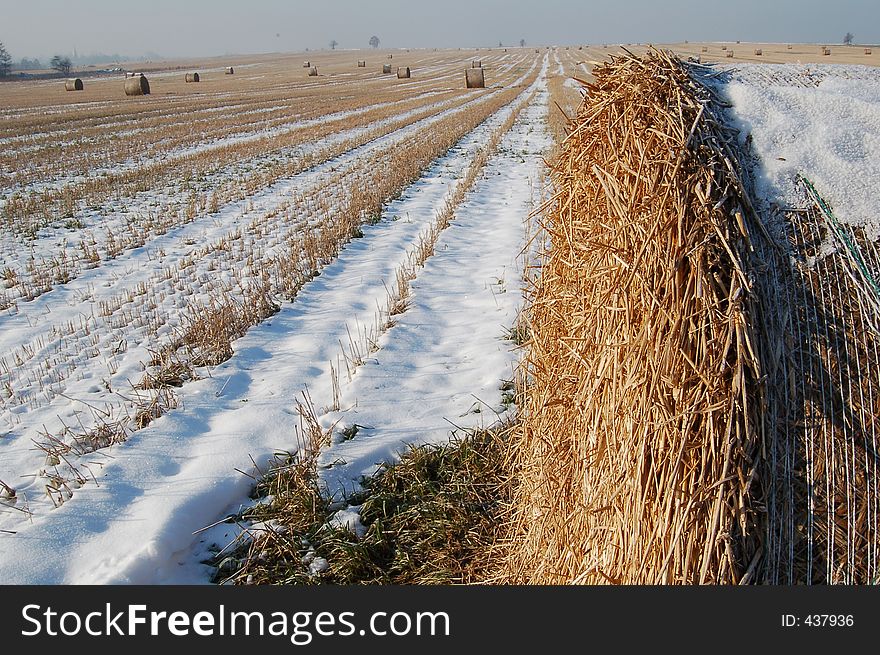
[[474, 78], [307, 64], [390, 56], [74, 84], [192, 77], [826, 51], [477, 64], [229, 70], [759, 52], [730, 54], [313, 71], [403, 72], [724, 47], [704, 49], [867, 51], [789, 46], [537, 51], [386, 68], [362, 63], [137, 85]]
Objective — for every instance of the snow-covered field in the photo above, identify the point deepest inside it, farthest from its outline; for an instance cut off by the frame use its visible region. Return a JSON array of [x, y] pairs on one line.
[[132, 512]]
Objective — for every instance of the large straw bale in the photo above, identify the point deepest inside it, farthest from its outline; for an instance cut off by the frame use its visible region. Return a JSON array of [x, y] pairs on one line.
[[137, 85], [639, 449]]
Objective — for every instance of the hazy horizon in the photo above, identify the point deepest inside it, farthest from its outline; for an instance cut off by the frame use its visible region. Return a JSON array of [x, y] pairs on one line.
[[202, 28]]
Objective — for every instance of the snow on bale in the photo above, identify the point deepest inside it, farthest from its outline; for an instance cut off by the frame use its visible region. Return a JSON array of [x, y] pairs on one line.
[[313, 71], [137, 85], [74, 84], [474, 78], [386, 68], [403, 72], [192, 77]]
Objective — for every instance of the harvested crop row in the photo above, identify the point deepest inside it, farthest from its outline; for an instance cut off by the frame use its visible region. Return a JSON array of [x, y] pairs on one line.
[[233, 273]]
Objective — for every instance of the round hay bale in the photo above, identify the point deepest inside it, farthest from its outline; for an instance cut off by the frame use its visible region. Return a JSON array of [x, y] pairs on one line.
[[192, 77], [307, 64], [704, 49], [867, 51], [730, 54], [137, 85], [229, 70], [386, 68], [313, 71], [362, 63], [74, 84], [724, 47], [477, 64], [826, 51], [759, 52], [474, 78], [789, 46], [403, 72], [390, 56]]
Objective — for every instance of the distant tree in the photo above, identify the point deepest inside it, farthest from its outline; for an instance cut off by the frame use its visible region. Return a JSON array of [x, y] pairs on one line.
[[5, 61], [848, 39], [374, 41], [522, 43], [61, 64], [333, 44]]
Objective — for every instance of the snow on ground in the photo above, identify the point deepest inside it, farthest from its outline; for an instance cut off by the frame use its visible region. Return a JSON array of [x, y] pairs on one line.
[[178, 475], [822, 121], [444, 361]]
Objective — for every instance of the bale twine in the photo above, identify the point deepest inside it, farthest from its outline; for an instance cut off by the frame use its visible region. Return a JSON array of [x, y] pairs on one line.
[[137, 85], [74, 84], [229, 70], [307, 64], [474, 78], [403, 72], [386, 68], [759, 52], [362, 63], [192, 77], [313, 71]]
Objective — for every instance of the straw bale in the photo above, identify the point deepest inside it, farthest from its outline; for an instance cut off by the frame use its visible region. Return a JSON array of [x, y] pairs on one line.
[[74, 84], [192, 77], [638, 449], [230, 70], [403, 72], [474, 78], [137, 85], [386, 68]]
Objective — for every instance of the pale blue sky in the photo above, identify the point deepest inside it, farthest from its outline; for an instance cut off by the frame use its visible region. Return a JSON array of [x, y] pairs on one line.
[[32, 28]]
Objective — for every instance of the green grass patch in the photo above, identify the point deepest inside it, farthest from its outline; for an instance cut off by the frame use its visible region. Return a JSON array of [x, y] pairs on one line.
[[431, 518]]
